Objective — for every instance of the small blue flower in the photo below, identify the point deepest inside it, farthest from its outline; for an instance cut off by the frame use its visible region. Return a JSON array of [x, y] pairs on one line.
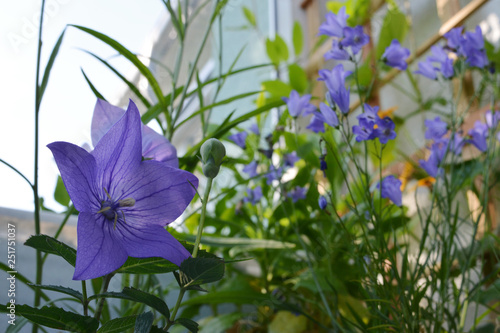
[[478, 134], [436, 128], [334, 24], [364, 131], [337, 52], [391, 189], [251, 169], [239, 139], [354, 38], [395, 55], [298, 105], [254, 128], [317, 123], [329, 116], [253, 196], [454, 38], [290, 159], [273, 174], [492, 119], [298, 193], [322, 164], [385, 130], [427, 69], [322, 202]]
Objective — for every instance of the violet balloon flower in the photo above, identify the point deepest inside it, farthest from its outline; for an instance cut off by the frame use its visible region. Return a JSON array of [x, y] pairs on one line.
[[391, 189], [395, 55], [154, 146], [124, 201]]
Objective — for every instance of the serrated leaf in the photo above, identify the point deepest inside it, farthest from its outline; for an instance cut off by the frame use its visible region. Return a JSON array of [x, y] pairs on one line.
[[58, 318], [297, 38], [297, 78], [201, 270], [68, 291], [144, 322], [191, 325], [51, 245], [118, 325], [249, 16], [60, 193]]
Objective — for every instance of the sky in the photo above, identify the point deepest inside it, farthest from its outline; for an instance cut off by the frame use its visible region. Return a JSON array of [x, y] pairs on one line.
[[68, 104]]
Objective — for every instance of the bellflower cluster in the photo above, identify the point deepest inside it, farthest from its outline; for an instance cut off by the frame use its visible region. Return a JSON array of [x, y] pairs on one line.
[[338, 95], [395, 55], [124, 201], [391, 189], [345, 37], [468, 46], [371, 126]]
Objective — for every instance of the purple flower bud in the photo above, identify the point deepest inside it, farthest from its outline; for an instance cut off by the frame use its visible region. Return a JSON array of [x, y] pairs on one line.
[[492, 119], [329, 116], [322, 202]]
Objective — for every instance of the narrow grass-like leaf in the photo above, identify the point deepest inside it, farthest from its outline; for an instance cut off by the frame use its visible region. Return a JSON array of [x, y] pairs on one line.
[[50, 63], [175, 21], [157, 109], [143, 69], [129, 84], [94, 90]]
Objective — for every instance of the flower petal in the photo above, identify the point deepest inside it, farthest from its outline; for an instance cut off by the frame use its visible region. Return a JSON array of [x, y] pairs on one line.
[[120, 149], [99, 251], [152, 241], [161, 193], [79, 174], [157, 147], [105, 116]]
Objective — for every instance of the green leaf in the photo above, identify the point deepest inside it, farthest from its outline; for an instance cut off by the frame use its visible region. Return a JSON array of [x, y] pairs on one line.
[[298, 78], [191, 325], [60, 193], [277, 50], [153, 265], [157, 109], [277, 88], [198, 271], [129, 84], [297, 38], [143, 69], [92, 87], [51, 245], [144, 322], [118, 325], [249, 16], [50, 63], [58, 318], [137, 295], [221, 323], [68, 291], [253, 243], [178, 26], [394, 26]]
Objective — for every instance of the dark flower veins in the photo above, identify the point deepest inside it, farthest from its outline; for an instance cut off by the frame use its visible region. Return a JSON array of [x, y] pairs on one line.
[[124, 202]]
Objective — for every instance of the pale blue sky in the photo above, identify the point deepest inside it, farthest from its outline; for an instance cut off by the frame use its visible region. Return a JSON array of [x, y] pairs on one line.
[[68, 104]]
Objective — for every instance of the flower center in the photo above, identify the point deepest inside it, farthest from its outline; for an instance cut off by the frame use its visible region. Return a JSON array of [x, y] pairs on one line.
[[111, 208]]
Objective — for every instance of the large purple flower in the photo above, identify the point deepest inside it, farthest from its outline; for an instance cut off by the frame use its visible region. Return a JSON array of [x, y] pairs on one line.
[[124, 201], [154, 145]]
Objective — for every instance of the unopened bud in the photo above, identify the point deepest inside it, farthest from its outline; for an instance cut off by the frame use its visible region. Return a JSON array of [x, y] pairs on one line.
[[212, 153]]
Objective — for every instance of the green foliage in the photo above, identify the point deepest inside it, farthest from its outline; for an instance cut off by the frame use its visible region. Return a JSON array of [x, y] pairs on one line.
[[249, 16], [144, 322], [118, 325], [358, 10], [394, 26], [277, 50], [51, 245], [196, 271], [60, 193], [297, 38], [54, 317]]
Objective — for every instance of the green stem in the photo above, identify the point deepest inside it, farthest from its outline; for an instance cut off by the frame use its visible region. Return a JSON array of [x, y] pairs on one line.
[[17, 171], [202, 216], [206, 195], [36, 213], [85, 301], [104, 288]]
